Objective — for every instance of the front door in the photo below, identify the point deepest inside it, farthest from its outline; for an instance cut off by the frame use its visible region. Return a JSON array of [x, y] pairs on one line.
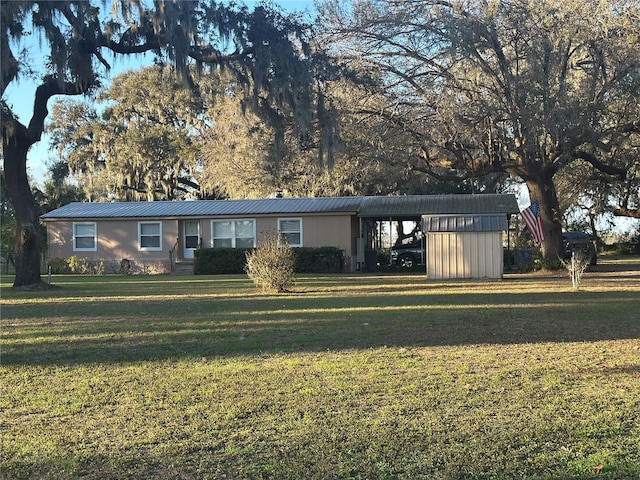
[[191, 237]]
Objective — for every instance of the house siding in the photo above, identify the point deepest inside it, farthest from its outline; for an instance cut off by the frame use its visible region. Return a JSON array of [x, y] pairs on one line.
[[118, 239]]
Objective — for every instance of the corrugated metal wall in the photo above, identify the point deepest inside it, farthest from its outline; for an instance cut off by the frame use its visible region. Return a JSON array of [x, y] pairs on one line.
[[464, 255]]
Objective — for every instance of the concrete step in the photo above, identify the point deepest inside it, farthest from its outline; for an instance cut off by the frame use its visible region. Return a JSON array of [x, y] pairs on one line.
[[183, 268]]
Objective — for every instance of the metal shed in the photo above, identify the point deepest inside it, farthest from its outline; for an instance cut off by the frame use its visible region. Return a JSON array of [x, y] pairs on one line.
[[464, 246]]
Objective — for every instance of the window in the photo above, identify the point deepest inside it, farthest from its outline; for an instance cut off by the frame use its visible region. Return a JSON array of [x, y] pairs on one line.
[[233, 233], [85, 237], [150, 235], [291, 230]]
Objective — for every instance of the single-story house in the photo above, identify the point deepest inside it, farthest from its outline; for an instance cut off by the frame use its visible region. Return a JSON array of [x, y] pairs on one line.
[[460, 228]]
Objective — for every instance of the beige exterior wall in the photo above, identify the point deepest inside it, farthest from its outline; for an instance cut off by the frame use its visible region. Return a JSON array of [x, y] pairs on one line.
[[464, 255], [118, 239], [317, 230]]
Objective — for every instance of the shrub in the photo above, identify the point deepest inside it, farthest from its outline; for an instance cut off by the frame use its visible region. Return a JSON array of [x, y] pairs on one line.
[[85, 266], [576, 266], [629, 248], [537, 264], [271, 265], [318, 260], [126, 266], [209, 261], [59, 266], [151, 268]]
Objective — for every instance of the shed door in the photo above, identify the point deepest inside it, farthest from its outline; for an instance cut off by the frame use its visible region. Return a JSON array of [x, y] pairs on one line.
[[191, 237]]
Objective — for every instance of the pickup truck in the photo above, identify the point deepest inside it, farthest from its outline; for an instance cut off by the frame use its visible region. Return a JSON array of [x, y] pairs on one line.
[[409, 251]]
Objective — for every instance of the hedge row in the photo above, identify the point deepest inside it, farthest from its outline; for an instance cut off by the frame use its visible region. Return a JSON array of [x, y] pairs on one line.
[[211, 261], [319, 260]]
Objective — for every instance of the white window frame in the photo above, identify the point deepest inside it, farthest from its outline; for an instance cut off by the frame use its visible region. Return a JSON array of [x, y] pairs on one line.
[[284, 233], [95, 236], [234, 237], [149, 249]]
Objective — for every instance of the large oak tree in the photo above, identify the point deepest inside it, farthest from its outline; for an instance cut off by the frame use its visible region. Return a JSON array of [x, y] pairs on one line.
[[516, 86], [141, 144], [268, 53], [157, 139]]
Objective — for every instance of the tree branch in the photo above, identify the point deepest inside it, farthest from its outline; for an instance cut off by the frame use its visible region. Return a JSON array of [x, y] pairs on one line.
[[626, 212], [10, 66], [620, 173], [50, 87], [188, 183]]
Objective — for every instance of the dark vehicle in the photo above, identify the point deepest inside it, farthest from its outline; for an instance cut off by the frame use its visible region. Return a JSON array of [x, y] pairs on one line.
[[581, 244], [409, 251]]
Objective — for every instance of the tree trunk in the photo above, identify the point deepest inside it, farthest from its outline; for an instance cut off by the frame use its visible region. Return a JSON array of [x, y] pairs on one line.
[[543, 190], [27, 239]]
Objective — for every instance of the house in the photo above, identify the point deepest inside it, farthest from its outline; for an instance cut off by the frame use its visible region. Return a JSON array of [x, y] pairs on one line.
[[170, 231]]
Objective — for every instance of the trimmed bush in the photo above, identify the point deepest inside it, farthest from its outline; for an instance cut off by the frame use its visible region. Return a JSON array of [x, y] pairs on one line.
[[318, 260], [211, 261]]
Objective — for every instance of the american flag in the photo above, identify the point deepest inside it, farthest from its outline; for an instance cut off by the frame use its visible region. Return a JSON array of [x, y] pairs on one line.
[[531, 216]]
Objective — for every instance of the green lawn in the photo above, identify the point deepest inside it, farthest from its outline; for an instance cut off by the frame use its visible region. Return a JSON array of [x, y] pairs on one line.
[[352, 376]]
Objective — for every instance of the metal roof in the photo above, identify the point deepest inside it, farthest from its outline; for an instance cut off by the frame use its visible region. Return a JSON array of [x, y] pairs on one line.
[[465, 223], [371, 207], [206, 208], [418, 205]]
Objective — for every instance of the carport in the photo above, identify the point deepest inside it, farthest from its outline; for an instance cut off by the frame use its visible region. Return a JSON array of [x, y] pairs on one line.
[[465, 234]]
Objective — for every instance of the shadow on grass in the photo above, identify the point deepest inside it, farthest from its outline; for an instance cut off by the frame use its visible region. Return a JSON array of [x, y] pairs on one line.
[[201, 325]]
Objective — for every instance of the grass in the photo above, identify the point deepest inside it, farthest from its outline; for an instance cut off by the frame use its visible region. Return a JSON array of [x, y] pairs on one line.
[[353, 376]]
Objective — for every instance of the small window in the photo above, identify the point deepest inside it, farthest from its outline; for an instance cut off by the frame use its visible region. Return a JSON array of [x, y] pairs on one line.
[[150, 235], [233, 233], [291, 230], [85, 237]]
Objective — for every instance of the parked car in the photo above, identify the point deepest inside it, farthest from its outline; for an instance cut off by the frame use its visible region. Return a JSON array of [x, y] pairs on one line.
[[409, 251], [581, 244]]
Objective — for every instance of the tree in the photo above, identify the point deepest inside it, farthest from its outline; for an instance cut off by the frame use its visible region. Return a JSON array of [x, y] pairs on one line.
[[156, 138], [7, 225], [141, 146], [373, 156], [57, 193], [591, 190], [269, 54], [238, 154], [518, 87]]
